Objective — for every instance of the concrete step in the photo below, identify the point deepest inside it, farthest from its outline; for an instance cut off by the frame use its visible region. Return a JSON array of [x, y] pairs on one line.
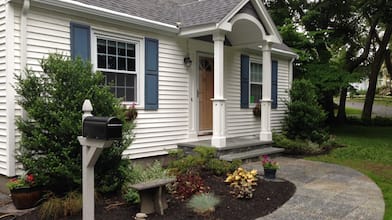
[[251, 154], [233, 145]]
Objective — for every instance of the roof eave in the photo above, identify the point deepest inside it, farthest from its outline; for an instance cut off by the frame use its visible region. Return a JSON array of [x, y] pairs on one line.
[[110, 14], [285, 53], [201, 30]]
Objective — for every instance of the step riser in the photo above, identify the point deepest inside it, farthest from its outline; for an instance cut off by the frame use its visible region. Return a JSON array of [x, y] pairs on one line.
[[244, 152], [221, 152]]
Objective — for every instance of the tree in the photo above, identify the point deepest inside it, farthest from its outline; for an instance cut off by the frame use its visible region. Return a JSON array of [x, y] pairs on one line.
[[356, 55], [325, 28], [53, 100], [305, 118], [380, 11]]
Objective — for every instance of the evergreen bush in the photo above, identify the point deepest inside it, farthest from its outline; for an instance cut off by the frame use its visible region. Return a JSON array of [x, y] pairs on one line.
[[305, 118], [53, 100]]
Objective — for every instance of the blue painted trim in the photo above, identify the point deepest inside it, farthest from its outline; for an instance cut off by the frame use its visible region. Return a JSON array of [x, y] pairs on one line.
[[151, 74], [244, 81], [274, 84], [80, 41]]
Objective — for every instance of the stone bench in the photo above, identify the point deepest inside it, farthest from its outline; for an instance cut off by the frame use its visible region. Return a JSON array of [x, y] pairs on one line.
[[153, 195]]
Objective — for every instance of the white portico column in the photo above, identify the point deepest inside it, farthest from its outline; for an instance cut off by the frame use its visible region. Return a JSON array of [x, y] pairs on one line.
[[265, 133], [218, 102]]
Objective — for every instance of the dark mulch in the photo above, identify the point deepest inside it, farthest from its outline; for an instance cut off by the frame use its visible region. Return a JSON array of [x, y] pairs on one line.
[[268, 197]]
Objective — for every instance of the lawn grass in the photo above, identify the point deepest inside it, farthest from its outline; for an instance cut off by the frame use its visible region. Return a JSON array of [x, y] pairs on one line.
[[369, 150], [353, 112]]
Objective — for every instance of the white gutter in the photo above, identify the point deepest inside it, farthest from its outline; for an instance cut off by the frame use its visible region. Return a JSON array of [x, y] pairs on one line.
[[98, 11], [285, 52]]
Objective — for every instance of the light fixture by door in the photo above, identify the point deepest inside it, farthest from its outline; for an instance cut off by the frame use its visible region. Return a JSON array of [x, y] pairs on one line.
[[187, 61]]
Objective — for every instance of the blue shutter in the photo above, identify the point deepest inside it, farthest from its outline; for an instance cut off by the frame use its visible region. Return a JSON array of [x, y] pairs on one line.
[[274, 84], [151, 74], [80, 41], [244, 81]]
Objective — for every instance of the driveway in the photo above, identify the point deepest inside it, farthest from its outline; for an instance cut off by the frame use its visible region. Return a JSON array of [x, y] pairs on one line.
[[378, 110]]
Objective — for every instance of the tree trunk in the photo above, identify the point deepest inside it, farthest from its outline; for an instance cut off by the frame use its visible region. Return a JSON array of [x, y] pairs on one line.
[[327, 104], [351, 64], [341, 117], [376, 66]]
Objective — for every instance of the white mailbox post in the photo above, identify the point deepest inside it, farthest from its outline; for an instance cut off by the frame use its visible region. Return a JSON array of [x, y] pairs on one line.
[[92, 148]]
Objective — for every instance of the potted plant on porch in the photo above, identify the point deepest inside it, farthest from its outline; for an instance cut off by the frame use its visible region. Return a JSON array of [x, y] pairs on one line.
[[24, 191], [270, 167]]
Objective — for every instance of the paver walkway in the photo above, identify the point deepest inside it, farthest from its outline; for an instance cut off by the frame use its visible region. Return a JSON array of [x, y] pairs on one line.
[[326, 191]]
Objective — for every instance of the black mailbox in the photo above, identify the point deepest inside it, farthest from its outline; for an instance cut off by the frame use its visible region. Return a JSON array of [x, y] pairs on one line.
[[105, 128]]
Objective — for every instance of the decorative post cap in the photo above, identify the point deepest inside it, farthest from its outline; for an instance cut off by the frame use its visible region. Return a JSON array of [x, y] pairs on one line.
[[87, 108]]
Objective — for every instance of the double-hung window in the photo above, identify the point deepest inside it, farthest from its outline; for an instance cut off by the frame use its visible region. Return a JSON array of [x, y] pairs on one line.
[[255, 82], [118, 61]]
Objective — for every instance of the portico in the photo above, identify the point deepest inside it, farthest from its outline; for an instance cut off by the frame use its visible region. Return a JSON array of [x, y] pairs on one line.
[[248, 28]]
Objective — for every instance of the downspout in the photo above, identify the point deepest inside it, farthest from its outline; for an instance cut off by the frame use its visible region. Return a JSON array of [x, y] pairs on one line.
[[23, 33], [11, 94], [291, 72]]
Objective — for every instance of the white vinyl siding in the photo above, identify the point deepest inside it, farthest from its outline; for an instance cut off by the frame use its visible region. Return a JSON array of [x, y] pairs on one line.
[[242, 122], [156, 131], [3, 97], [161, 130]]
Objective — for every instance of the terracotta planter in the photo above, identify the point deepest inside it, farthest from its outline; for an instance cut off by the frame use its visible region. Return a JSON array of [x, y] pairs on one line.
[[269, 173], [25, 198]]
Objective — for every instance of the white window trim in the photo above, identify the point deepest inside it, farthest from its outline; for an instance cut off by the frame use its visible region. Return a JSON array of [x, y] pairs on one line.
[[139, 56], [252, 105]]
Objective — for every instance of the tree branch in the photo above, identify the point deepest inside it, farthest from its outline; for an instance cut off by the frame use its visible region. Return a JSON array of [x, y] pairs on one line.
[[352, 64]]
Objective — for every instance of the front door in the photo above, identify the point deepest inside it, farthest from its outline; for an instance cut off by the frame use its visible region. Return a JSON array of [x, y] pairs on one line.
[[206, 93]]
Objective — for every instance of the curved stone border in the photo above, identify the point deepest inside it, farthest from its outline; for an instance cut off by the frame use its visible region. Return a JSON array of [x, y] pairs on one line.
[[326, 191]]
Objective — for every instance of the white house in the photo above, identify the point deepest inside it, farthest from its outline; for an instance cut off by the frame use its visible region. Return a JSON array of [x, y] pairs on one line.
[[194, 68]]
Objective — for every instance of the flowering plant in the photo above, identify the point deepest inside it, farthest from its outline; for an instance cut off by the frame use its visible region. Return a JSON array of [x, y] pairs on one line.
[[269, 164], [131, 113], [23, 181]]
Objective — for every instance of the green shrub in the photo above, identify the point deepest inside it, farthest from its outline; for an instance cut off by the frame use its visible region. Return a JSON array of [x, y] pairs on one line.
[[305, 118], [138, 174], [303, 147], [202, 159], [203, 203], [53, 100], [221, 167]]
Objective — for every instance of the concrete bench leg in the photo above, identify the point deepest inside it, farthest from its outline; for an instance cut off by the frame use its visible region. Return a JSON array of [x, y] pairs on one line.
[[153, 200]]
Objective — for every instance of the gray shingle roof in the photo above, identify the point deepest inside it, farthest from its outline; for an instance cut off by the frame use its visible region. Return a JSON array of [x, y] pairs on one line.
[[156, 10], [188, 12], [205, 12]]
